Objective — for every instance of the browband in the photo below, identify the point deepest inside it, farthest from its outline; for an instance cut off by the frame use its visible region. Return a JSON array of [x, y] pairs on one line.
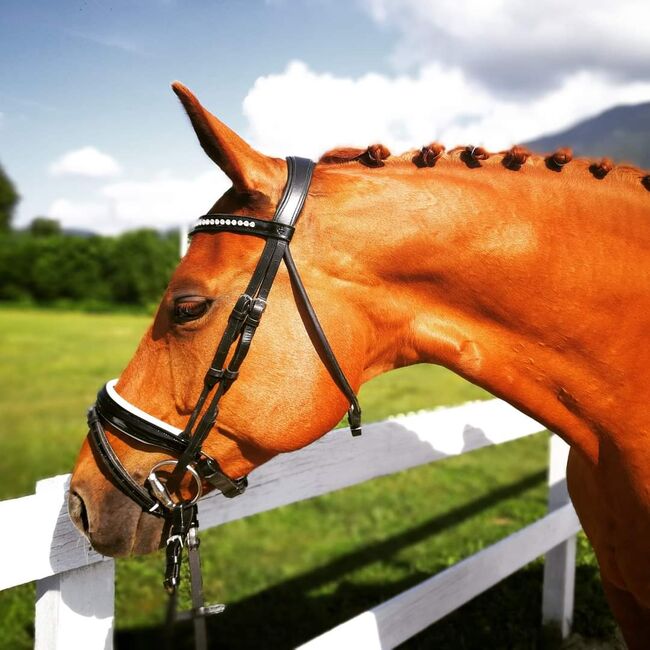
[[244, 225]]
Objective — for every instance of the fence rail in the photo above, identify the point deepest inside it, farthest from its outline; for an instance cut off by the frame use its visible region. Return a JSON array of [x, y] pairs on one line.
[[75, 585]]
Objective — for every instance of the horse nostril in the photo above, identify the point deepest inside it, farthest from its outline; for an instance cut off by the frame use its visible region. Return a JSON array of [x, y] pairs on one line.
[[77, 512]]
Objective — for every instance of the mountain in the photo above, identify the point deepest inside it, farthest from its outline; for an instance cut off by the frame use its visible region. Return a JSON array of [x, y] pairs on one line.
[[621, 133]]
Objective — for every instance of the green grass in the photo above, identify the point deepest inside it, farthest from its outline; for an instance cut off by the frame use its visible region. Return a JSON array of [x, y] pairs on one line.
[[289, 574], [52, 365]]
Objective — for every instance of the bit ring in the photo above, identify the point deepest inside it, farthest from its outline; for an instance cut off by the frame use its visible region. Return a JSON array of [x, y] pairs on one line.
[[159, 489]]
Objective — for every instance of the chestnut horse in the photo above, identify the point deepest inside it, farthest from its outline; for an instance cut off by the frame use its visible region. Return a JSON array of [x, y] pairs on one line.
[[528, 276]]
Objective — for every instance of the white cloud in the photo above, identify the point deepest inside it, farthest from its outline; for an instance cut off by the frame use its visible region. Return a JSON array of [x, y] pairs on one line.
[[470, 71], [82, 215], [520, 46], [87, 161], [304, 112], [165, 201], [162, 202]]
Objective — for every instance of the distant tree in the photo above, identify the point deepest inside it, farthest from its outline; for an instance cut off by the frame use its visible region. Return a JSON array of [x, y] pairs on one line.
[[132, 268], [8, 200], [68, 267], [142, 263], [15, 263], [44, 227]]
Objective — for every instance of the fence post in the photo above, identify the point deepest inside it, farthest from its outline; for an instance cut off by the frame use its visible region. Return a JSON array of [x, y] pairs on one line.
[[560, 562], [184, 238], [75, 607]]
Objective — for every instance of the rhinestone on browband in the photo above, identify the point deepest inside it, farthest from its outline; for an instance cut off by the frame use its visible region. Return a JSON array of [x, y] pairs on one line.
[[226, 222]]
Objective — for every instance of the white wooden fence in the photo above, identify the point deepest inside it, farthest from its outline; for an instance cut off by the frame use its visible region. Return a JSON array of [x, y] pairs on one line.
[[75, 585]]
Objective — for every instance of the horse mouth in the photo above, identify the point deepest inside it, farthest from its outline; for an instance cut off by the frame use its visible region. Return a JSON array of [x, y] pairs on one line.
[[124, 531]]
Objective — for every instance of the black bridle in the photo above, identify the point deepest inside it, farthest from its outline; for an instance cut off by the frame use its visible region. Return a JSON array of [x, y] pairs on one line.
[[186, 445]]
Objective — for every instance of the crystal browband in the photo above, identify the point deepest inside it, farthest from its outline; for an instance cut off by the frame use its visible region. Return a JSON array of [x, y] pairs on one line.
[[244, 225]]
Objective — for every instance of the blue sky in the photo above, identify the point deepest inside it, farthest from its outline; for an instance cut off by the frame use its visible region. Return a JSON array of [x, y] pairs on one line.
[[91, 133]]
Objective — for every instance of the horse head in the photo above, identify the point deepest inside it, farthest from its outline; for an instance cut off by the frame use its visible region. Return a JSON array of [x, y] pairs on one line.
[[284, 397]]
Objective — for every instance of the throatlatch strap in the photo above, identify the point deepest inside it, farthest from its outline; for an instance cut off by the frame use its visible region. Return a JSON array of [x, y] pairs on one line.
[[330, 360]]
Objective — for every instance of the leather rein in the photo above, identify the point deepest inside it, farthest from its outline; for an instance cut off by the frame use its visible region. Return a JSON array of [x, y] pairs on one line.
[[186, 445]]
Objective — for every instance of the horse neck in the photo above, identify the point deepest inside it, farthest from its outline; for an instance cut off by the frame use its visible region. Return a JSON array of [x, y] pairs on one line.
[[510, 279]]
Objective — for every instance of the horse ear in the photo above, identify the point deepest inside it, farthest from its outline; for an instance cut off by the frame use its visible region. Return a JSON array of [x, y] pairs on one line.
[[249, 170]]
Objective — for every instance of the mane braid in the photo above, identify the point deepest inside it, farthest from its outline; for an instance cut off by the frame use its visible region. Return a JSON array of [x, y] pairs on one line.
[[372, 156], [514, 159]]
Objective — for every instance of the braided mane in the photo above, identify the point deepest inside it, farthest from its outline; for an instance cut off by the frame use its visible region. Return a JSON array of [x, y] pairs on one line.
[[514, 159]]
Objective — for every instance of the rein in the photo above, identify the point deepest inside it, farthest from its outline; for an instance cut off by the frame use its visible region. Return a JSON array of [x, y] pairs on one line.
[[186, 444]]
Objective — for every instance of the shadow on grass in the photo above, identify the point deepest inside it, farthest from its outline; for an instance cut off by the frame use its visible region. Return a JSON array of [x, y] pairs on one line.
[[288, 614]]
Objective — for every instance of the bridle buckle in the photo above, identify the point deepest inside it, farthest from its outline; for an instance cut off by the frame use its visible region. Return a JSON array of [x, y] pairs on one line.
[[255, 311]]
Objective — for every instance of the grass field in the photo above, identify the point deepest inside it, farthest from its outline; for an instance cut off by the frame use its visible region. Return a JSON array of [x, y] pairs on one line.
[[290, 574]]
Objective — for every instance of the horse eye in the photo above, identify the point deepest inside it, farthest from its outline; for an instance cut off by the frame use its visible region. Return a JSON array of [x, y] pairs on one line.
[[190, 308]]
